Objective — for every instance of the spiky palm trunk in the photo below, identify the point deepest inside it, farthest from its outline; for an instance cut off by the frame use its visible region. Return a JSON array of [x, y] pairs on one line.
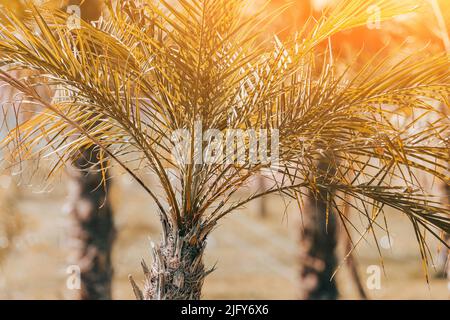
[[92, 231], [177, 271], [318, 241]]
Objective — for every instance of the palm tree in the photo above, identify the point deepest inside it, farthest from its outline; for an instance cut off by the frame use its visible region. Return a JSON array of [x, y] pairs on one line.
[[318, 237], [89, 205], [149, 74], [316, 251], [318, 242]]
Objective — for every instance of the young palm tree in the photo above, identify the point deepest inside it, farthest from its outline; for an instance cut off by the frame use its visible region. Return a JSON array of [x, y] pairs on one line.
[[148, 70]]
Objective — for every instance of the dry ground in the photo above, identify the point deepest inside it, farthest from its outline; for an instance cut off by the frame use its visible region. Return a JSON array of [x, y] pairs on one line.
[[256, 258]]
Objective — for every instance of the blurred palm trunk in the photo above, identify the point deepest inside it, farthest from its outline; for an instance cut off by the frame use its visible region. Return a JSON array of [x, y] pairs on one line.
[[444, 256], [447, 263], [92, 231], [263, 200], [317, 253], [11, 222], [318, 241]]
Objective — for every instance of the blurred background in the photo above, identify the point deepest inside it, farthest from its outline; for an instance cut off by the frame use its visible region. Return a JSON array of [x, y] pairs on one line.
[[257, 257], [257, 250]]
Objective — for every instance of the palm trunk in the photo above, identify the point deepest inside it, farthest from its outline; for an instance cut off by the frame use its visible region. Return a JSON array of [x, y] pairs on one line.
[[262, 201], [177, 271], [444, 258], [92, 229], [317, 253], [447, 264], [318, 241]]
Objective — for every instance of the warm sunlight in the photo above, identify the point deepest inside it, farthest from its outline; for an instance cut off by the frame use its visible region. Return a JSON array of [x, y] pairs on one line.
[[224, 149]]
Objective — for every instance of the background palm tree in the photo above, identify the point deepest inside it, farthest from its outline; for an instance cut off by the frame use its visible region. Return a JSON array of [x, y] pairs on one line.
[[443, 22], [148, 69], [92, 230], [319, 238], [89, 205], [346, 43], [318, 242]]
